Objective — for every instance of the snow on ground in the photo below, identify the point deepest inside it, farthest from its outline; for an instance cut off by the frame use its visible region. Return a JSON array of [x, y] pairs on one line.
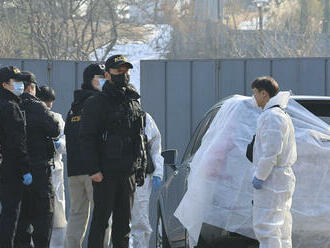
[[153, 48], [249, 25], [252, 24]]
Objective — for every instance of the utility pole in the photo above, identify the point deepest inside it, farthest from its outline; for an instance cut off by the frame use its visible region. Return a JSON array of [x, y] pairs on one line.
[[303, 16], [326, 17], [220, 10], [261, 17], [260, 4]]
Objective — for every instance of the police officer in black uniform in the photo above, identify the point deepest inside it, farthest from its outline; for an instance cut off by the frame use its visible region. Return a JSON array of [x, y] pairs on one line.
[[38, 199], [79, 182], [112, 142], [15, 165], [90, 87]]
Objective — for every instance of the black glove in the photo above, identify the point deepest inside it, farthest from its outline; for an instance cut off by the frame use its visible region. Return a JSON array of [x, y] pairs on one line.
[[249, 150], [139, 177]]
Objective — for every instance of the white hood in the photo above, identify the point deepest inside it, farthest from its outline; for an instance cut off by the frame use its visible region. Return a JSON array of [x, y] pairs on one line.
[[281, 99]]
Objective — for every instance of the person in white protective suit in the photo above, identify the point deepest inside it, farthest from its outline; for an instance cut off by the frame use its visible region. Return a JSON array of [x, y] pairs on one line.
[[140, 226], [47, 95], [274, 153]]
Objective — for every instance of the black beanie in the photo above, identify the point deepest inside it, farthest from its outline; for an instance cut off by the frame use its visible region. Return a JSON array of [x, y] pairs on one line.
[[46, 94], [89, 73]]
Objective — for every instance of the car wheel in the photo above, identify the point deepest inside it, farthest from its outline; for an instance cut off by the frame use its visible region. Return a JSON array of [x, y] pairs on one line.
[[161, 237]]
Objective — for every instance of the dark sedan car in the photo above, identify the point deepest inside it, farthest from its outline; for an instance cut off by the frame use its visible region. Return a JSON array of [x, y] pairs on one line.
[[170, 232]]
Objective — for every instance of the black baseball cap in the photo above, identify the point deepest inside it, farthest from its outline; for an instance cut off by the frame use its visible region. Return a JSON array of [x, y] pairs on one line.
[[11, 72], [30, 78], [92, 70], [115, 61]]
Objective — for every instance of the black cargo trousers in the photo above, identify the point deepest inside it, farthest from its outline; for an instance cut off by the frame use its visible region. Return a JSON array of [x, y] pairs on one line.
[[11, 191], [114, 195], [36, 216]]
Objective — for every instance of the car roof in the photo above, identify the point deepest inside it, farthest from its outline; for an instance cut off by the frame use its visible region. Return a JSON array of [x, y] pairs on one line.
[[310, 98]]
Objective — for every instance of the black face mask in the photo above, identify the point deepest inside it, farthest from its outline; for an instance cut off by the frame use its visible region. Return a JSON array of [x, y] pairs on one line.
[[120, 80]]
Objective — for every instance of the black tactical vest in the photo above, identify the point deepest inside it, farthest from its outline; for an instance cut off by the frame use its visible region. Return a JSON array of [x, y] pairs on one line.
[[123, 141]]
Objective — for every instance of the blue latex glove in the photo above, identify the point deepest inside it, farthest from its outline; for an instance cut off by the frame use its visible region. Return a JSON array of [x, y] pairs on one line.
[[57, 144], [156, 182], [27, 179], [257, 183]]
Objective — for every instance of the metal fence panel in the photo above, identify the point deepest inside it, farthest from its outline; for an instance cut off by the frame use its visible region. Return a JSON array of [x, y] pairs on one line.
[[312, 77], [231, 78], [285, 72], [40, 69], [178, 105], [204, 90], [63, 82], [153, 95], [14, 62], [255, 68], [153, 99]]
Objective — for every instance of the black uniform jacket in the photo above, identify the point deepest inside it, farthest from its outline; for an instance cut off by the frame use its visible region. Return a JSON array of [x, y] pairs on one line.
[[71, 131], [41, 129], [109, 131], [12, 137]]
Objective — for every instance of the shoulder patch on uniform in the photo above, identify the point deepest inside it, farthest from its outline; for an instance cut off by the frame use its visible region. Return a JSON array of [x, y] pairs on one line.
[[76, 118]]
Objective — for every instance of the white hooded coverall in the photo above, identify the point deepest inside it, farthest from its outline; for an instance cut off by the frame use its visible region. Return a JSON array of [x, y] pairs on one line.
[[59, 218], [140, 226], [273, 156]]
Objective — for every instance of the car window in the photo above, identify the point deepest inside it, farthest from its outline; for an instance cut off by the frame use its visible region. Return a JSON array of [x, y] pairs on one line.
[[196, 139], [319, 108]]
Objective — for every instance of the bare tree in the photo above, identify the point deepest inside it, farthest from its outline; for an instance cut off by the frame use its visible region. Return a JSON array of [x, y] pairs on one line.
[[68, 29], [7, 43], [292, 28]]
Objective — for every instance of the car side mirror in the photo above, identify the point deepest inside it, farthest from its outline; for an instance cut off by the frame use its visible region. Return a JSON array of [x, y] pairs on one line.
[[170, 156]]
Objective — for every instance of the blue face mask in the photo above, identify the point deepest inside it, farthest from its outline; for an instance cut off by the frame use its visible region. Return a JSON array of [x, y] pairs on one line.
[[18, 88], [102, 82]]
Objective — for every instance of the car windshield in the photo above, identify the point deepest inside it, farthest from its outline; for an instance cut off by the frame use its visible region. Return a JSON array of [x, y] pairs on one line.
[[196, 139]]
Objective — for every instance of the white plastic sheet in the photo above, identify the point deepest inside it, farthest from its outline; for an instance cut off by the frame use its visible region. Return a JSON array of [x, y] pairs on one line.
[[220, 192]]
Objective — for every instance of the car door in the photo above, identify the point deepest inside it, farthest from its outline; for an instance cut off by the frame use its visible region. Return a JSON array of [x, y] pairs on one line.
[[176, 184]]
